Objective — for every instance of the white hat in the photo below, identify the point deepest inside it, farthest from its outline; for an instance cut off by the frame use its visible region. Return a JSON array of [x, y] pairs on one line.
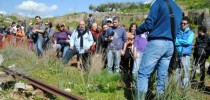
[[109, 19], [30, 23]]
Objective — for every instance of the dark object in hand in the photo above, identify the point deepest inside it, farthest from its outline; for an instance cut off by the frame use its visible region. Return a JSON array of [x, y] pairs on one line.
[[112, 34]]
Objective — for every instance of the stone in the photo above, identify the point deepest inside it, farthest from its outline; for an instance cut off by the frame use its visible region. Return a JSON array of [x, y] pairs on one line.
[[20, 85], [29, 88], [1, 59], [7, 79], [10, 78], [12, 66], [38, 93], [16, 96], [2, 74]]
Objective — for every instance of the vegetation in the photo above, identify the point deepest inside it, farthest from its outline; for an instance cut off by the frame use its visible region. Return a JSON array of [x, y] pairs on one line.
[[194, 4], [92, 84], [120, 7]]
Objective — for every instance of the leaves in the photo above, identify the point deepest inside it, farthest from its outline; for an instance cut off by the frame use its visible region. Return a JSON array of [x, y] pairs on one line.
[[122, 7]]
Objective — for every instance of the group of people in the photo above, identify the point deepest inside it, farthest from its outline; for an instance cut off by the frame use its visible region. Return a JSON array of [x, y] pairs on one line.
[[13, 29], [139, 50]]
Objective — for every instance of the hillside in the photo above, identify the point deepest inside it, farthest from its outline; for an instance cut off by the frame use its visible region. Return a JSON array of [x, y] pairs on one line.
[[130, 11]]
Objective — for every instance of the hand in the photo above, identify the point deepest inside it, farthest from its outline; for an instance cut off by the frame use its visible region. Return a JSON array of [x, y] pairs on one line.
[[34, 31], [122, 52], [54, 45], [94, 43], [134, 56], [71, 47], [67, 41]]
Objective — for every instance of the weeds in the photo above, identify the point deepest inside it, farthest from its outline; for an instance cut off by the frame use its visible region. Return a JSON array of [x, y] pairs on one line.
[[95, 83]]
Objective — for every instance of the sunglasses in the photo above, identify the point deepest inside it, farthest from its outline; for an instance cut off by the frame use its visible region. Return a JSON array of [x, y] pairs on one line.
[[184, 23], [61, 26]]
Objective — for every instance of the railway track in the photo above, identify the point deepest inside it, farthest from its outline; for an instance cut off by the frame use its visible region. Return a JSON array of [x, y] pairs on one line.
[[43, 86]]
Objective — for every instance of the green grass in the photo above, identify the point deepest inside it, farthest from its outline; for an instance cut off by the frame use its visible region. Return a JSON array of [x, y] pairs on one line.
[[51, 71], [98, 85]]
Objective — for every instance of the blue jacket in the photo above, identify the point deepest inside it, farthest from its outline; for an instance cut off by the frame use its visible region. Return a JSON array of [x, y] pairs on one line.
[[184, 42], [87, 41], [158, 21]]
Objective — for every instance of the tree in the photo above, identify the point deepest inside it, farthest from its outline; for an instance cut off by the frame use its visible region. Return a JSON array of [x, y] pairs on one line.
[[118, 7]]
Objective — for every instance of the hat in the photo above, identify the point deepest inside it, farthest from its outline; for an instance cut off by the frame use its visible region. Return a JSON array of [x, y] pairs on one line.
[[109, 19], [30, 24]]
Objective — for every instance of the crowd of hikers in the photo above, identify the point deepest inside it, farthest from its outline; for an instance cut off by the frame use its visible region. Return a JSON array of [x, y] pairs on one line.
[[136, 50]]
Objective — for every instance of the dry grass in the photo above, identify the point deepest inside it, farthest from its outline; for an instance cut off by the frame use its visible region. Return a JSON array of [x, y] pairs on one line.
[[97, 63]]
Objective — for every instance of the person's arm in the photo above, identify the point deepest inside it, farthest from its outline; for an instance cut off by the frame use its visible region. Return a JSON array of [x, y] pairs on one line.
[[72, 39], [23, 33], [177, 42], [69, 32], [150, 21], [41, 29], [90, 39], [124, 38], [108, 31], [134, 53], [188, 41], [208, 45]]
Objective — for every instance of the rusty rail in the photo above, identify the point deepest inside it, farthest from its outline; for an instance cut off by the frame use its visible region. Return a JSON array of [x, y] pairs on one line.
[[43, 86]]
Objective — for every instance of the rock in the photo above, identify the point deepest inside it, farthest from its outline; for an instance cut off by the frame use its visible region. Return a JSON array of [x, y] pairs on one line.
[[10, 78], [20, 86], [7, 79], [17, 96], [68, 90], [2, 74], [29, 88], [38, 93], [1, 59], [12, 66]]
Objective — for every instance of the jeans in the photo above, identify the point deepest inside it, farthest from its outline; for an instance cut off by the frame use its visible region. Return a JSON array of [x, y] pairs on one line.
[[38, 45], [136, 66], [69, 54], [157, 53], [113, 56], [63, 49], [137, 62], [185, 65]]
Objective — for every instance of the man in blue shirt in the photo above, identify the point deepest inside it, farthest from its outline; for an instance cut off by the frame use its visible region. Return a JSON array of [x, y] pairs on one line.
[[160, 45], [116, 36], [184, 41]]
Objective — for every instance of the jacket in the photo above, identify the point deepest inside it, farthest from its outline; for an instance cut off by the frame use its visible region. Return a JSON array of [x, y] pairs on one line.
[[87, 41], [184, 41], [158, 22], [202, 46]]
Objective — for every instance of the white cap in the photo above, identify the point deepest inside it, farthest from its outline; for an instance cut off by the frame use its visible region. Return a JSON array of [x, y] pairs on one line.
[[30, 23], [109, 19]]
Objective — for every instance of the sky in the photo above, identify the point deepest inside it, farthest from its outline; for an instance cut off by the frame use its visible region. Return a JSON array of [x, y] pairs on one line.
[[50, 8]]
